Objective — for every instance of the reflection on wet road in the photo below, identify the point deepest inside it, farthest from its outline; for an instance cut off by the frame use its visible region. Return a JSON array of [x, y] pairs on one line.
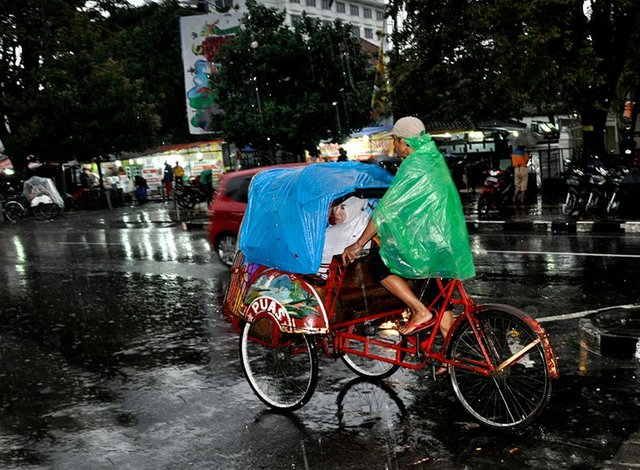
[[114, 354]]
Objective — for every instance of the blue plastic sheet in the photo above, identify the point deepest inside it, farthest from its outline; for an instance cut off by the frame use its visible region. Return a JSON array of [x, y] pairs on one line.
[[285, 221]]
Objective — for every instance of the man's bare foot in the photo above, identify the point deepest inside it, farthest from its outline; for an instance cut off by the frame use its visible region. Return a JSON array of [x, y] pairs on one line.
[[418, 321]]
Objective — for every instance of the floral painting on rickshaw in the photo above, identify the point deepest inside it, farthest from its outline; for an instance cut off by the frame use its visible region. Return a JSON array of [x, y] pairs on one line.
[[287, 290]]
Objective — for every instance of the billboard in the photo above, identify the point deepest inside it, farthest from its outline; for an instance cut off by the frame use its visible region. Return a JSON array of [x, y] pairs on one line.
[[201, 37]]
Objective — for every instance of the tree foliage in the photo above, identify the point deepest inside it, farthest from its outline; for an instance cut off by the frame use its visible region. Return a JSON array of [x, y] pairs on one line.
[[482, 59], [146, 41], [63, 93], [291, 87]]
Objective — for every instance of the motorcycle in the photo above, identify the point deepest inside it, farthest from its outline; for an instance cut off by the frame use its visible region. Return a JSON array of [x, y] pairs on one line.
[[595, 189], [188, 195], [497, 191], [579, 182]]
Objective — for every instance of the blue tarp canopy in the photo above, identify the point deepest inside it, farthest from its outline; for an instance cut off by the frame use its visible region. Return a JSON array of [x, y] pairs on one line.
[[285, 221]]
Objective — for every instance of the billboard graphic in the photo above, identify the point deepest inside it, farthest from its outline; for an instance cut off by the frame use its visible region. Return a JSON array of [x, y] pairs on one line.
[[201, 37]]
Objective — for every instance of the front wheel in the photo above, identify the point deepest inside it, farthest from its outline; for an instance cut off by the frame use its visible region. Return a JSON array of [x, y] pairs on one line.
[[614, 204], [510, 398], [570, 203], [483, 206], [282, 368]]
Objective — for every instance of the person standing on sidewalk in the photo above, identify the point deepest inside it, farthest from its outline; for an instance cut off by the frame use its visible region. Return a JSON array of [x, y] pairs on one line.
[[178, 174], [167, 179], [519, 160], [420, 224]]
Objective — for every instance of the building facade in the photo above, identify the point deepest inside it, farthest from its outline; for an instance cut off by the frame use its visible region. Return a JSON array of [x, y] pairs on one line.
[[365, 16]]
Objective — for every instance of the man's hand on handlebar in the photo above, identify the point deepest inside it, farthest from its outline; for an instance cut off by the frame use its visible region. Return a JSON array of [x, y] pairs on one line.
[[351, 252]]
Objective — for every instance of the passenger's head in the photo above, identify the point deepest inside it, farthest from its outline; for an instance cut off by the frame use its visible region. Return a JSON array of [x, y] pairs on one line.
[[347, 211], [338, 214], [407, 127]]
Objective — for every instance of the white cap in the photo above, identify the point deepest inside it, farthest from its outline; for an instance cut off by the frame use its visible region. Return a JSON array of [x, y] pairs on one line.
[[408, 127]]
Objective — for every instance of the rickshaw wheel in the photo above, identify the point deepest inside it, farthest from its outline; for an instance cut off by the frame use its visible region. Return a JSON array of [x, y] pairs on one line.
[[373, 368], [282, 368], [513, 397]]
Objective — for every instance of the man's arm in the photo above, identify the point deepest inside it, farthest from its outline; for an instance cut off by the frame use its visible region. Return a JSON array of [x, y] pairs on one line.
[[351, 252]]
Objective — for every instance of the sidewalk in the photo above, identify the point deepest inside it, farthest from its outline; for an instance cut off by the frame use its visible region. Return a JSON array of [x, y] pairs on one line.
[[544, 214]]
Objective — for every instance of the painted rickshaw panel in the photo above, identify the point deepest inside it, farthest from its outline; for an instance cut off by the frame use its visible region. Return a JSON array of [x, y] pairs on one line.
[[294, 304]]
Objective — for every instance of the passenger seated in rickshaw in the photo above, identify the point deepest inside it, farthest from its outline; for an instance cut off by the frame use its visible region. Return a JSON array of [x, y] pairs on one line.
[[420, 224], [347, 220]]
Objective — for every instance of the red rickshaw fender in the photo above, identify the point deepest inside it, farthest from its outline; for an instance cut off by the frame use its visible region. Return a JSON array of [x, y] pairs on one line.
[[306, 317], [479, 310]]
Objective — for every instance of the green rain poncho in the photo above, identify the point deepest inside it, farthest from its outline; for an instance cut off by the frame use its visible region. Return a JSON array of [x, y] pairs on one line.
[[420, 219]]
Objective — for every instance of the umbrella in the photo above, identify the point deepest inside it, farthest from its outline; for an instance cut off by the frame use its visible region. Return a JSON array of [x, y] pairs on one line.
[[524, 137]]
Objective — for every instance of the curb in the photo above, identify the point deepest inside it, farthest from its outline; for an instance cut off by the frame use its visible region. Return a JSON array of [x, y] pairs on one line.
[[556, 226], [190, 225], [613, 334]]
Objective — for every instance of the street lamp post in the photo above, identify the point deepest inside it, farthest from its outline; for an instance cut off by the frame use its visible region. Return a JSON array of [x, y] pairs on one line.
[[255, 83], [335, 105]]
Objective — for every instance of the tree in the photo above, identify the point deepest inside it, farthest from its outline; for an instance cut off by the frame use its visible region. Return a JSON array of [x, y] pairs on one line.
[[146, 41], [62, 94], [494, 59], [291, 87]]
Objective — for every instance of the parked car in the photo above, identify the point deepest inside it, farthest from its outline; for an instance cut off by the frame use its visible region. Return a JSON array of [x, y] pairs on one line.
[[227, 209]]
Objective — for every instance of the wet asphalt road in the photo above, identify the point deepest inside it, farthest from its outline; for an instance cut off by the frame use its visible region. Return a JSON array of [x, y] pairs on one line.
[[114, 354]]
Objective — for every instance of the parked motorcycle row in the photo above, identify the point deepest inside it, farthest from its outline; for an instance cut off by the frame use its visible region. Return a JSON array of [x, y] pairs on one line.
[[595, 189]]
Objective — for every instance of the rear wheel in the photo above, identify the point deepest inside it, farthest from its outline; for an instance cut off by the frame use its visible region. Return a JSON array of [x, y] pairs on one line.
[[226, 248], [46, 211], [14, 211], [379, 330], [509, 398], [570, 203], [282, 368]]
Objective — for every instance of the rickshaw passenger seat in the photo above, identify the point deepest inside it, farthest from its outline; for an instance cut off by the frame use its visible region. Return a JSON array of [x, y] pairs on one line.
[[357, 284], [314, 280]]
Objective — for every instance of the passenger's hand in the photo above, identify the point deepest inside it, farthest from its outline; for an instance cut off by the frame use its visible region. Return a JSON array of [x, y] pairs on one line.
[[351, 252]]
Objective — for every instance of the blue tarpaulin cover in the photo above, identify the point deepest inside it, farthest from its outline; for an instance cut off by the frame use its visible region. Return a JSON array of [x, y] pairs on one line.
[[286, 218]]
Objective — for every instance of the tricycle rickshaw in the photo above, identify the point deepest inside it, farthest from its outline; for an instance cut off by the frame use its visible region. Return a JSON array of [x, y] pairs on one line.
[[500, 360]]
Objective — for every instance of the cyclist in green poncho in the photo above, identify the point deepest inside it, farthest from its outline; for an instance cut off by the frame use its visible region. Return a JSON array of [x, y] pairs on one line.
[[420, 224]]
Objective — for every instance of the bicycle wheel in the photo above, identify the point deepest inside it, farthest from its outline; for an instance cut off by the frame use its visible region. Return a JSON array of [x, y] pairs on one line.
[[373, 368], [510, 398], [281, 368], [14, 211]]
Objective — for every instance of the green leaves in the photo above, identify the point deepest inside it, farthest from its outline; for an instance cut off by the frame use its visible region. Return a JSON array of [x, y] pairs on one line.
[[482, 59], [281, 91]]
